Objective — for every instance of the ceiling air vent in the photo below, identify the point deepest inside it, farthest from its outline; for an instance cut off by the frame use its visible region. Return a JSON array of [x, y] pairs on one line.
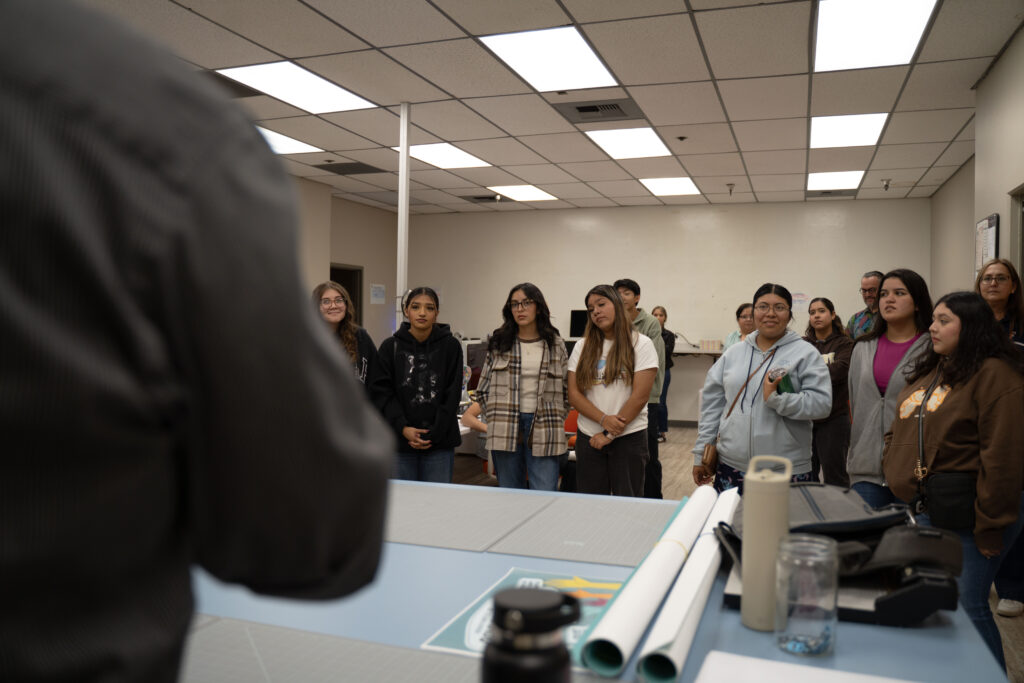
[[349, 168], [483, 199], [601, 110], [830, 194]]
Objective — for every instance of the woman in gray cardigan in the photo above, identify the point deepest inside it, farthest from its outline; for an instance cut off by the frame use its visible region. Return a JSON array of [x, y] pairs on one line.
[[878, 373]]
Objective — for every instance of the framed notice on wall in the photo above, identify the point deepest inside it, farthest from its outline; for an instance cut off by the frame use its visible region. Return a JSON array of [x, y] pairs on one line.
[[986, 240]]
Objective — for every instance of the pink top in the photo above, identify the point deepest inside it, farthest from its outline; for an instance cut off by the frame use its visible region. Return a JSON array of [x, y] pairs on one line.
[[887, 357]]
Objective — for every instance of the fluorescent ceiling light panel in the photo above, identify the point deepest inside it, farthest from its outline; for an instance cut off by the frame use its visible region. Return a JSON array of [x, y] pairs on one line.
[[850, 130], [282, 144], [859, 34], [629, 143], [291, 83], [663, 187], [551, 59], [444, 155], [522, 193], [838, 180]]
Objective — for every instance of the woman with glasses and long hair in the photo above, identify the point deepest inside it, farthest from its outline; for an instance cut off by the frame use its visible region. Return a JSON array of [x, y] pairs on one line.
[[748, 411], [954, 449], [336, 308], [999, 285], [523, 393], [611, 372], [832, 434], [878, 367], [417, 384]]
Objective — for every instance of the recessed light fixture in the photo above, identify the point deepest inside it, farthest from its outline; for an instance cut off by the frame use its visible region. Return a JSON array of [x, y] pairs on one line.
[[837, 180], [444, 155], [849, 130], [551, 59], [629, 143], [282, 144], [291, 83], [663, 187], [858, 34], [522, 193]]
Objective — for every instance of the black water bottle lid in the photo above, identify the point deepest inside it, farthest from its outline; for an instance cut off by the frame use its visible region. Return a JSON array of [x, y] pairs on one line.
[[533, 610]]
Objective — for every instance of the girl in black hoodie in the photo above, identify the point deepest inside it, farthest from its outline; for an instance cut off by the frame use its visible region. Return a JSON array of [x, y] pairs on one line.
[[417, 383]]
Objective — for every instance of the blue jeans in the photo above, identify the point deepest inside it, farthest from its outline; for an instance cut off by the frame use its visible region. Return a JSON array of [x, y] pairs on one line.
[[513, 467], [1010, 579], [874, 495], [663, 406], [976, 579], [434, 466]]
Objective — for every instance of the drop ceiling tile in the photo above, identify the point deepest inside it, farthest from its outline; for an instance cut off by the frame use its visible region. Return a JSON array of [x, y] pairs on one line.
[[395, 22], [387, 159], [937, 175], [620, 188], [347, 183], [963, 30], [968, 132], [373, 76], [453, 121], [540, 173], [907, 156], [511, 206], [861, 91], [605, 10], [942, 85], [771, 134], [660, 49], [387, 181], [778, 183], [704, 138], [557, 204], [437, 178], [593, 202], [612, 125], [904, 178], [713, 164], [720, 184], [481, 17], [359, 199], [287, 27], [501, 151], [879, 193], [719, 4], [461, 193], [780, 196], [596, 170], [428, 208], [469, 207], [657, 167], [684, 199], [925, 126], [461, 67], [379, 125], [923, 191], [735, 198], [765, 40], [299, 169], [313, 158], [584, 95], [317, 132], [432, 196], [640, 201], [667, 105], [521, 114], [564, 147], [486, 177], [957, 154], [786, 161], [765, 98], [572, 191], [829, 159], [189, 35], [267, 107]]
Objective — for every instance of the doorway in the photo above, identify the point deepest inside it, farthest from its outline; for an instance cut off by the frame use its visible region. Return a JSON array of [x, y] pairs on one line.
[[351, 278]]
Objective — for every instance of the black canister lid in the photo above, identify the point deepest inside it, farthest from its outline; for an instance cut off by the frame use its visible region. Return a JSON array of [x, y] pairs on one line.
[[533, 610]]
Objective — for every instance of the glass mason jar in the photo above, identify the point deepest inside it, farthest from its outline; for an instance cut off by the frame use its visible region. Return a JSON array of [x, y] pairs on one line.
[[807, 578]]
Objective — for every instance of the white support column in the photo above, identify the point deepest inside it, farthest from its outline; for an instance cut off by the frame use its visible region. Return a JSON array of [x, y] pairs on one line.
[[402, 267]]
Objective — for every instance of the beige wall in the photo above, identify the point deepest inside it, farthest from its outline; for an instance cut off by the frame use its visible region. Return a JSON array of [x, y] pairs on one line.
[[999, 145], [314, 231], [952, 237], [366, 237]]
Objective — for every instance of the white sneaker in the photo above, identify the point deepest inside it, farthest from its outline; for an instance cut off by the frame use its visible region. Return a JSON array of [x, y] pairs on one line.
[[1010, 608]]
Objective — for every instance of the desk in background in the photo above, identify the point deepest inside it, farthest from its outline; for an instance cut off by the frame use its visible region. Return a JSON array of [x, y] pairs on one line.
[[688, 373]]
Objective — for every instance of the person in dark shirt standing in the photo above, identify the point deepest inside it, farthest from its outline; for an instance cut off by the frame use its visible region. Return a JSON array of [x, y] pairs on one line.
[[831, 437], [862, 322], [168, 398], [669, 338]]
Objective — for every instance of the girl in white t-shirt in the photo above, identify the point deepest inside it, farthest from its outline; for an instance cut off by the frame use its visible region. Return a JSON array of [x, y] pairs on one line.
[[611, 372]]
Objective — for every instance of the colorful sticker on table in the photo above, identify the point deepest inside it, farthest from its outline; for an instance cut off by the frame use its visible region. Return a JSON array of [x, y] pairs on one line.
[[468, 632]]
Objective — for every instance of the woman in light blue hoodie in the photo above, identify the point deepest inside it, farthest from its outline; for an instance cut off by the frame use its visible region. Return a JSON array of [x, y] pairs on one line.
[[748, 412]]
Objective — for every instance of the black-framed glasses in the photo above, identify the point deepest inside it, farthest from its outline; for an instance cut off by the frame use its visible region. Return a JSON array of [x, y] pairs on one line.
[[517, 305], [870, 290], [991, 279], [337, 301]]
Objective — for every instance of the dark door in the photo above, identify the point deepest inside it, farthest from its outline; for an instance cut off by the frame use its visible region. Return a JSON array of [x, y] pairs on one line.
[[351, 278]]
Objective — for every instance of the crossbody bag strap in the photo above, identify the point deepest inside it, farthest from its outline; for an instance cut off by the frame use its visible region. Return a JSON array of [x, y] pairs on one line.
[[921, 471], [756, 370]]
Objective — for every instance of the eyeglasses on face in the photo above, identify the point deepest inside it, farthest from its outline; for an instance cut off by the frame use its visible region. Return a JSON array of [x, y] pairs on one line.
[[991, 279], [337, 301], [748, 316], [517, 305], [778, 308], [869, 290]]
